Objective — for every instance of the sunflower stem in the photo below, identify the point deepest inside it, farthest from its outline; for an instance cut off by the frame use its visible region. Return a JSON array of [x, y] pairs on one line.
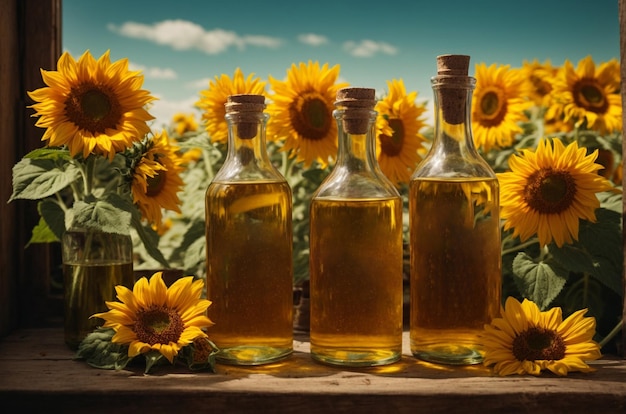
[[519, 247], [611, 334], [90, 173], [61, 203]]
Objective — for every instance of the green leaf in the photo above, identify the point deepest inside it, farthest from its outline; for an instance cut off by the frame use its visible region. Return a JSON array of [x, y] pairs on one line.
[[153, 358], [50, 153], [54, 216], [573, 257], [540, 282], [100, 352], [315, 175], [42, 234], [195, 255], [35, 178], [611, 201], [149, 238], [108, 215], [191, 250], [603, 241]]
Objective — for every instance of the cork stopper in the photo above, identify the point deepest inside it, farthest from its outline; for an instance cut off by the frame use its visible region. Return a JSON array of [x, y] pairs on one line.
[[357, 104], [244, 110], [452, 72], [455, 65]]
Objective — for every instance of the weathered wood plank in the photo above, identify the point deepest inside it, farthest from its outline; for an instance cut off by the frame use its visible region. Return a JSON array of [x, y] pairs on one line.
[[39, 372]]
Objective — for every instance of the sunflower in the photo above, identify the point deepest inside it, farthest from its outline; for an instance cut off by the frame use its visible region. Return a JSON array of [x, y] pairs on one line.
[[212, 101], [92, 106], [588, 96], [526, 341], [397, 130], [548, 191], [184, 123], [301, 112], [498, 105], [540, 77], [156, 180], [154, 317]]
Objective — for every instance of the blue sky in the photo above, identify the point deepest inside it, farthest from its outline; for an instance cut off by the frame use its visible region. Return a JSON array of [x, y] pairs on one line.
[[181, 45]]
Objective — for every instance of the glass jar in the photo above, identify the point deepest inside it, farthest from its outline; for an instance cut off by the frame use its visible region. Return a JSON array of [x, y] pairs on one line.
[[356, 248], [455, 249], [249, 245], [94, 262]]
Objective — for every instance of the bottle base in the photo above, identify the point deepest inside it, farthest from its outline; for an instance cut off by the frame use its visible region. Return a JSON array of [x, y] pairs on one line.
[[448, 354], [252, 355], [355, 357]]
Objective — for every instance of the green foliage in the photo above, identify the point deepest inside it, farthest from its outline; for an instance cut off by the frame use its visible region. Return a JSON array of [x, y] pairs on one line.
[[99, 351], [540, 282], [91, 192], [586, 273], [41, 174]]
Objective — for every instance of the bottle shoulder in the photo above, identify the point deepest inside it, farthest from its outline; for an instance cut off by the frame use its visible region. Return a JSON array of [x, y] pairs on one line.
[[341, 183], [240, 173], [453, 166]]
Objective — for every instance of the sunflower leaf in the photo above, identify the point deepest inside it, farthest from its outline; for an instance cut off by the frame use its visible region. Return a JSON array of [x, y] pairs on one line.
[[38, 178], [603, 241], [53, 217], [149, 238], [50, 153], [42, 234], [611, 201], [540, 282], [153, 358], [108, 215], [98, 350]]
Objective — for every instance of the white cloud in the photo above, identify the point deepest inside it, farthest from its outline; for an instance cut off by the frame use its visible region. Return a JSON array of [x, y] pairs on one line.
[[164, 110], [185, 35], [154, 72], [313, 39], [199, 83], [369, 48]]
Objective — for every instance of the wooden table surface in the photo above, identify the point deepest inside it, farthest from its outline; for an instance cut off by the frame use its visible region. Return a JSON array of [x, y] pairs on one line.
[[39, 374]]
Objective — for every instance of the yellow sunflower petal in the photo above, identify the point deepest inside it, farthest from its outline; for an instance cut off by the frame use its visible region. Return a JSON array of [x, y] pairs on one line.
[[85, 105], [301, 112], [158, 316], [527, 210]]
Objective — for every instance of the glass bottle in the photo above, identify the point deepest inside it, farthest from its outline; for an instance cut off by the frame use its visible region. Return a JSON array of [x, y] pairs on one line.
[[249, 245], [454, 225], [356, 248], [94, 262]]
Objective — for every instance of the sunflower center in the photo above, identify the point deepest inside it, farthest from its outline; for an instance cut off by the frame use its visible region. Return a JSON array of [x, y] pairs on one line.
[[589, 95], [538, 344], [542, 88], [550, 191], [156, 183], [310, 116], [94, 108], [492, 107], [158, 325], [392, 145]]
